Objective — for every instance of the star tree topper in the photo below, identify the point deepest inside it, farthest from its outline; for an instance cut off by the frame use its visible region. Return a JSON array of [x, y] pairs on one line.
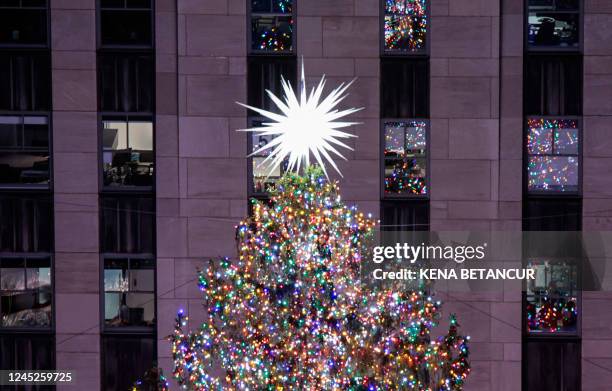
[[304, 126]]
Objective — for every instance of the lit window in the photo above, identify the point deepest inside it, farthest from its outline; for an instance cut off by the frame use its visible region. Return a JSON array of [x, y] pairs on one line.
[[265, 175], [128, 153], [23, 22], [553, 149], [552, 304], [405, 163], [129, 292], [126, 22], [554, 23], [405, 25], [25, 292], [24, 150], [272, 26]]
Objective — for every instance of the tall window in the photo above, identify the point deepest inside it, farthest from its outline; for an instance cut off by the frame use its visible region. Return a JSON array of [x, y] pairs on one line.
[[404, 109], [26, 209], [126, 102], [271, 60], [552, 192]]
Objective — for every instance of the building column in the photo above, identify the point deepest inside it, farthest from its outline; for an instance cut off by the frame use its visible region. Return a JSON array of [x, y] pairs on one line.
[[75, 182]]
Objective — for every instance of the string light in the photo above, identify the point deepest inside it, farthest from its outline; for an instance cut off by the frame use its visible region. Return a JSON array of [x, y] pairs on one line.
[[291, 312]]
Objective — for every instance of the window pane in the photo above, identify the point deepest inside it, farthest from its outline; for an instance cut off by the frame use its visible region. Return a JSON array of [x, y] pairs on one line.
[[126, 83], [24, 168], [405, 88], [125, 360], [405, 158], [405, 216], [275, 6], [27, 351], [10, 132], [552, 365], [272, 33], [141, 135], [126, 27], [405, 25], [131, 162], [266, 74], [25, 223], [127, 225], [35, 132], [115, 135], [553, 85], [23, 26], [25, 294], [265, 175], [547, 27], [551, 297], [26, 81], [552, 215], [549, 142]]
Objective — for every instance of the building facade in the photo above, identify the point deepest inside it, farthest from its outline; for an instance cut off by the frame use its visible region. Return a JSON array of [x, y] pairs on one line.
[[121, 171]]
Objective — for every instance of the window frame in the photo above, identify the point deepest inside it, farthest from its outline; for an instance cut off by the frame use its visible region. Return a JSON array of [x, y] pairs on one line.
[[128, 47], [32, 53], [33, 256], [127, 118], [249, 31], [33, 186], [554, 49], [544, 335], [526, 155], [127, 330], [46, 44], [384, 196], [425, 52], [123, 196]]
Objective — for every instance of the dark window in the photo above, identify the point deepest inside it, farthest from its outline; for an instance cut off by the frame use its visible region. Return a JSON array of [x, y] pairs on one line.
[[23, 22], [25, 292], [265, 73], [405, 26], [27, 351], [542, 214], [554, 24], [126, 83], [24, 150], [25, 223], [405, 88], [129, 292], [127, 152], [25, 81], [128, 225], [552, 366], [126, 22], [553, 85], [125, 360], [272, 27], [404, 216]]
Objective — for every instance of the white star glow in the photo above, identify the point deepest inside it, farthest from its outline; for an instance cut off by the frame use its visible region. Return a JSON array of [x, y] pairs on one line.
[[304, 126]]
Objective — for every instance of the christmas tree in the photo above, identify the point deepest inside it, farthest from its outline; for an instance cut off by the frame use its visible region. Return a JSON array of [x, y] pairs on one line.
[[291, 312]]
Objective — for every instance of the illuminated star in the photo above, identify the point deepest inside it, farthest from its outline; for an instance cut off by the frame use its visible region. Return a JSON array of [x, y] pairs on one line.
[[304, 126]]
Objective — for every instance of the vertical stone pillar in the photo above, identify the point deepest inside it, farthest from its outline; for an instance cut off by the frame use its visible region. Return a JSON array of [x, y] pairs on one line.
[[75, 184]]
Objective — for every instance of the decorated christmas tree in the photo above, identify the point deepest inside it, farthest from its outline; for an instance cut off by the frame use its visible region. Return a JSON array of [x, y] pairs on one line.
[[291, 311]]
